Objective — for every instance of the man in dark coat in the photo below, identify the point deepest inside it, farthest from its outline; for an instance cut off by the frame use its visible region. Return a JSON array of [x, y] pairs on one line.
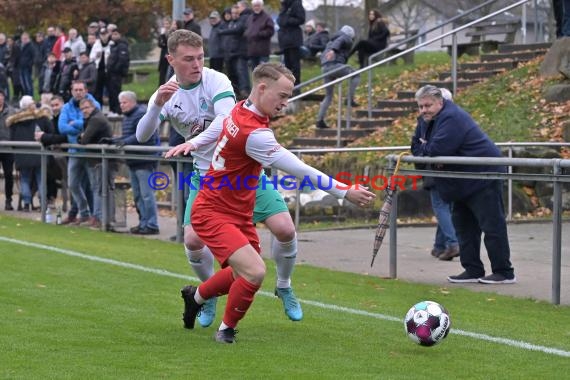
[[117, 69], [290, 35], [190, 23], [477, 202], [258, 32], [97, 127], [6, 159]]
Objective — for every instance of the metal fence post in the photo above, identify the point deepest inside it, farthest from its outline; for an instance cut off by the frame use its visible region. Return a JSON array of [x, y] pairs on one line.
[[393, 227], [43, 184], [104, 191], [556, 233]]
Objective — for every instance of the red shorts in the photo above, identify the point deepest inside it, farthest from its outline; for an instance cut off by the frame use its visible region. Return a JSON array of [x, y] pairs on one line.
[[224, 236]]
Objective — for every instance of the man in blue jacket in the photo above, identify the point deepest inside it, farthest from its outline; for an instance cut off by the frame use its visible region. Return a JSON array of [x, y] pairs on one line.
[[71, 124], [477, 203], [139, 170]]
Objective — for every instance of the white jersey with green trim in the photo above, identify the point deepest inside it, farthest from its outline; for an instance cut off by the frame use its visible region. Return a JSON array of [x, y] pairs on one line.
[[191, 110]]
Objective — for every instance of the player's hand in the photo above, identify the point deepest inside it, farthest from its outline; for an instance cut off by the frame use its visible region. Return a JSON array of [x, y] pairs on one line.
[[360, 196], [182, 149], [165, 92]]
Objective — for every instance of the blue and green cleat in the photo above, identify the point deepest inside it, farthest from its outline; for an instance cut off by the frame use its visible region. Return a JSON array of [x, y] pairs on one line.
[[291, 306], [208, 312]]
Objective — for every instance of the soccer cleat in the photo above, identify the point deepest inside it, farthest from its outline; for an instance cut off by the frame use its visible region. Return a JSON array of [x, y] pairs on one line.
[[225, 336], [191, 307], [291, 306], [208, 312]]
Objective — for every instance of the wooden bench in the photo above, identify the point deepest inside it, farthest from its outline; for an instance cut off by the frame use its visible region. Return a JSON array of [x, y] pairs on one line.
[[502, 32]]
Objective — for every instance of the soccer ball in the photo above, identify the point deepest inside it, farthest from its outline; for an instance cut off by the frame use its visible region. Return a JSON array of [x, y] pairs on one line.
[[427, 323]]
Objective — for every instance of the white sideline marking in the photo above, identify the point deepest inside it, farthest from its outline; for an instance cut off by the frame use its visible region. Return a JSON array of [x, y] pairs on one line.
[[508, 342]]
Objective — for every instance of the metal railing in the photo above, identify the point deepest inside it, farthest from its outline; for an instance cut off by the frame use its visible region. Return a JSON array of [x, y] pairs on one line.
[[394, 57], [108, 152]]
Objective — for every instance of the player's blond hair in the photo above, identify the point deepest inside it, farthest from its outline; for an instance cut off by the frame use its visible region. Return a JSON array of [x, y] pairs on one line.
[[184, 37], [271, 70]]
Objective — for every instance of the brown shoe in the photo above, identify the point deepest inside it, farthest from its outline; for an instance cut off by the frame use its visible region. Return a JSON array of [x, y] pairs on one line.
[[436, 252], [449, 253]]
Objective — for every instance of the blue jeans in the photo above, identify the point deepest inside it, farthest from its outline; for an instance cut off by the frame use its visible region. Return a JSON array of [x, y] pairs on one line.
[[244, 83], [144, 197], [483, 212], [27, 82], [566, 18], [77, 174], [445, 234], [97, 182], [26, 177]]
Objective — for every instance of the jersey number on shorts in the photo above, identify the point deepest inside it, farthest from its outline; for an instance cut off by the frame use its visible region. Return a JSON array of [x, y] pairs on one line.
[[219, 162]]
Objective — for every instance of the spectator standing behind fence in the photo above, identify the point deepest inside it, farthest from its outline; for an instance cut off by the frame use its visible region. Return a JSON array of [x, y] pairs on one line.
[[59, 43], [97, 128], [139, 170], [258, 32], [236, 45], [71, 124], [316, 41], [477, 202], [23, 125], [48, 78], [190, 23], [27, 59], [117, 70], [75, 43], [100, 55], [378, 35], [7, 159], [162, 44], [67, 74], [215, 47], [445, 245], [290, 36], [57, 165], [334, 58], [13, 69], [87, 72]]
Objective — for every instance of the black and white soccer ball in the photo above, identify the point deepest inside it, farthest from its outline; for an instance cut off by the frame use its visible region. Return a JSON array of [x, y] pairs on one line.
[[427, 323]]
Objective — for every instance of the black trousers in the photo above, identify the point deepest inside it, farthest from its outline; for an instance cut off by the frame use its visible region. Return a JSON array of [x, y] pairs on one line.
[[7, 160]]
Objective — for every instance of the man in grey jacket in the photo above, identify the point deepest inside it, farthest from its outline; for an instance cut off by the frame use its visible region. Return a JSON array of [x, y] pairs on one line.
[[335, 57]]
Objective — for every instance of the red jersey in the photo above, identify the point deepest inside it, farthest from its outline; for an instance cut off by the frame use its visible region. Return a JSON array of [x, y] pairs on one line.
[[229, 186]]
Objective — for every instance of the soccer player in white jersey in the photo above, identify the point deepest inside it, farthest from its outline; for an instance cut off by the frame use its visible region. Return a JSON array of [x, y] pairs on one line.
[[191, 100], [222, 213]]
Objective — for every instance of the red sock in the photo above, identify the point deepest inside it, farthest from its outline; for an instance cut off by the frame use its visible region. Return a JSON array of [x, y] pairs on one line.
[[240, 298], [217, 285]]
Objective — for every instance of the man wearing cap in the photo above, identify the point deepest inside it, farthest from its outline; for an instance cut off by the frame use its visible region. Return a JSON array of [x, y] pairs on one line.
[[189, 22], [68, 72], [100, 55], [215, 47]]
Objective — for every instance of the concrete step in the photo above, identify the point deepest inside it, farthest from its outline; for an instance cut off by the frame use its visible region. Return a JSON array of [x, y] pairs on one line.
[[319, 142], [486, 66], [366, 123], [516, 56], [470, 75], [352, 133], [462, 83], [509, 48], [406, 95], [397, 103], [383, 113]]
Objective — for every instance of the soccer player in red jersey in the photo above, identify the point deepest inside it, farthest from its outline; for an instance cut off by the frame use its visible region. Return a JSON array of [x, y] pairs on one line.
[[222, 212]]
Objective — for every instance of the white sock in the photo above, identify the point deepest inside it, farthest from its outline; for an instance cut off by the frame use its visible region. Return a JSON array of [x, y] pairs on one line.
[[202, 261], [198, 298], [223, 326], [285, 254]]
